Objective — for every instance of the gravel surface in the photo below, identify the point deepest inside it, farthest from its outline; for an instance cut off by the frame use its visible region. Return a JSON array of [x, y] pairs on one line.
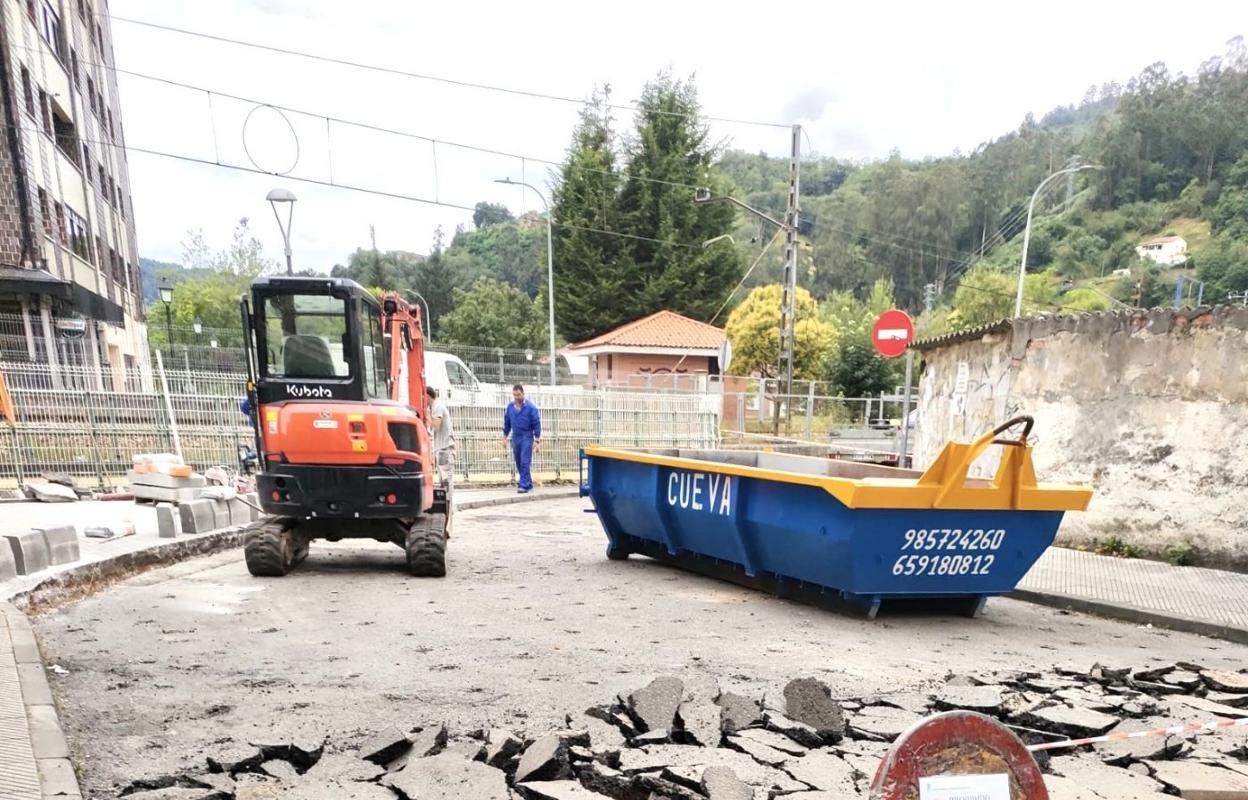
[[533, 622]]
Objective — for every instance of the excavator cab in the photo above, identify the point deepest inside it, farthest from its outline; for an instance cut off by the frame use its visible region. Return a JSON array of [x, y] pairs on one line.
[[336, 389]]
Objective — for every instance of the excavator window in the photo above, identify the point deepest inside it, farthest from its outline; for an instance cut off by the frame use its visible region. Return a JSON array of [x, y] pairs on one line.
[[306, 334], [376, 365]]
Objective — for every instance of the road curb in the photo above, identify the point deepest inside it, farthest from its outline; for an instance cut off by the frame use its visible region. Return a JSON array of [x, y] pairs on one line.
[[1139, 616], [48, 766], [78, 582]]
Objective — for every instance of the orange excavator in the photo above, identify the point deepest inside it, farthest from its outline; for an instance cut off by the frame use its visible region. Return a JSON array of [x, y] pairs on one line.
[[336, 394]]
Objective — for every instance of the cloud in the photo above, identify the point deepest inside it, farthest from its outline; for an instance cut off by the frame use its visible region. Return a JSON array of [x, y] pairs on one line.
[[809, 105]]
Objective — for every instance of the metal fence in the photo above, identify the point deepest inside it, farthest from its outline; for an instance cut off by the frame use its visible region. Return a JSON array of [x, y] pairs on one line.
[[93, 435]]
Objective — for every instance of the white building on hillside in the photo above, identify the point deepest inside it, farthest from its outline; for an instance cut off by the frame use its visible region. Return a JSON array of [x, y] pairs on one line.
[[1169, 251]]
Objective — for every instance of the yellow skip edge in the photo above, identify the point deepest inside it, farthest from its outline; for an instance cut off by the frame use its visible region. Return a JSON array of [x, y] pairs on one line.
[[943, 485]]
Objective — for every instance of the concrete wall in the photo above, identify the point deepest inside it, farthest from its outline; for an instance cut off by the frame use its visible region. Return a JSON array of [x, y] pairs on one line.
[[619, 367], [1151, 408]]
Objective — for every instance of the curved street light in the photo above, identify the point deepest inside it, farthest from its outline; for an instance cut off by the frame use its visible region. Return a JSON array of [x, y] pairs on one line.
[[1022, 267], [287, 197]]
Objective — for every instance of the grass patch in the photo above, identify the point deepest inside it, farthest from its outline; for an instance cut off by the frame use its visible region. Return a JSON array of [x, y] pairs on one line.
[[1115, 546]]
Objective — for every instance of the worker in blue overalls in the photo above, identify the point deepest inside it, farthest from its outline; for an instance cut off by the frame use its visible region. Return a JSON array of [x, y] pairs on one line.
[[523, 421]]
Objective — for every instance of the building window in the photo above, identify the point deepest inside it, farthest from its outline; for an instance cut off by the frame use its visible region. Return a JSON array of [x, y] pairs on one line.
[[46, 213], [73, 65], [79, 241], [103, 178], [66, 137], [44, 114], [50, 27], [99, 36], [86, 159], [82, 10], [28, 93], [91, 93], [60, 223]]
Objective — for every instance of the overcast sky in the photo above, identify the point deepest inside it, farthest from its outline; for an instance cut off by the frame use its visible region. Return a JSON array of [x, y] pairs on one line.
[[923, 77]]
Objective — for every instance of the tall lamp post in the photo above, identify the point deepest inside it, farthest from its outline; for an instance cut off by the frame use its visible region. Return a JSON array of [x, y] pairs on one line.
[[286, 197], [550, 270], [1022, 267], [166, 297]]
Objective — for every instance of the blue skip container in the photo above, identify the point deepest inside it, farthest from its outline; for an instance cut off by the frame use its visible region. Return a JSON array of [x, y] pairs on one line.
[[859, 533]]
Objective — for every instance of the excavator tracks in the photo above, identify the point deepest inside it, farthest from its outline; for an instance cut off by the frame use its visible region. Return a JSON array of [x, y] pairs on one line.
[[272, 548], [426, 546]]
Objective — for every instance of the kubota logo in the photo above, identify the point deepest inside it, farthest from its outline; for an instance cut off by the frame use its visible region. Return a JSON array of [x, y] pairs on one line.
[[304, 391]]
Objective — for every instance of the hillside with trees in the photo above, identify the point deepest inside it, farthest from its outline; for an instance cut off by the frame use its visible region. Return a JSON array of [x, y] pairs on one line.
[[1171, 152]]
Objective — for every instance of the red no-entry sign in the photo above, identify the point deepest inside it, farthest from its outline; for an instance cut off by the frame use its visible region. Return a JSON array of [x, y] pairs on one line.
[[893, 333]]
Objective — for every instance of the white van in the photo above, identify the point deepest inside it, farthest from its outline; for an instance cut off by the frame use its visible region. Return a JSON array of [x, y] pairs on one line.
[[454, 380]]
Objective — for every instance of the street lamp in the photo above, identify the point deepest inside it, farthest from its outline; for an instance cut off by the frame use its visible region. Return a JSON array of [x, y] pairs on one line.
[[428, 321], [1022, 267], [274, 197], [550, 269], [166, 297]]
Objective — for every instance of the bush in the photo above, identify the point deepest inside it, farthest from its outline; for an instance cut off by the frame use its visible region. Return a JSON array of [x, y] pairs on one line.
[[1181, 554]]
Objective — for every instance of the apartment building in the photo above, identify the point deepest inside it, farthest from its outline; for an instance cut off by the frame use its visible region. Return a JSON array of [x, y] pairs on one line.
[[69, 279]]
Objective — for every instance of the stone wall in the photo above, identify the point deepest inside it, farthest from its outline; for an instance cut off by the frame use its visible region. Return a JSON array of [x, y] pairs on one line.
[[1151, 408]]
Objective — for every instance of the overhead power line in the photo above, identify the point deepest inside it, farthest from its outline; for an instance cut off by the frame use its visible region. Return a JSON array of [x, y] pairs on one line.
[[348, 187], [580, 101], [364, 125]]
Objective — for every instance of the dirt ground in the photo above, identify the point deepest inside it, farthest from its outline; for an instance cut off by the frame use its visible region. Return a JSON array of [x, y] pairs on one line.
[[533, 622]]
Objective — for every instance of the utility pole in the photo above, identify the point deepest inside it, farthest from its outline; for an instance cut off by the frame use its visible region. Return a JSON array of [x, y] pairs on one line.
[[788, 294], [372, 236], [929, 297], [1073, 161]]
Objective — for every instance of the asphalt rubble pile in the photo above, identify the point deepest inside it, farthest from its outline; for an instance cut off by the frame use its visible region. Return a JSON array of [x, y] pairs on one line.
[[680, 739]]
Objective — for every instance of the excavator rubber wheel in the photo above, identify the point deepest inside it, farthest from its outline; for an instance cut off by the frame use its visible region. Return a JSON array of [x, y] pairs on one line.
[[426, 546], [270, 549]]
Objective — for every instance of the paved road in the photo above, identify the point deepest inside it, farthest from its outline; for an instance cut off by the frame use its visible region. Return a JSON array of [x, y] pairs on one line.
[[532, 622]]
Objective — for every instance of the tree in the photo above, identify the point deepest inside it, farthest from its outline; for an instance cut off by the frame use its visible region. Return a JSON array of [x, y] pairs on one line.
[[854, 366], [436, 283], [859, 371], [218, 280], [1223, 266], [596, 279], [486, 214], [984, 295], [754, 330], [492, 314], [668, 155]]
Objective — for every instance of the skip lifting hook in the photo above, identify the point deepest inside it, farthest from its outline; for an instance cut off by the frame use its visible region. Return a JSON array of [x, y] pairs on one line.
[[1027, 421]]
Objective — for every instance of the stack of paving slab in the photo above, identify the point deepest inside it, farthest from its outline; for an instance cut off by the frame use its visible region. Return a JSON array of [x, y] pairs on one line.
[[37, 549], [161, 488]]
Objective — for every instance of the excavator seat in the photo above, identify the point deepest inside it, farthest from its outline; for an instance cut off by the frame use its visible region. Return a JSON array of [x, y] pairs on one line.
[[307, 356]]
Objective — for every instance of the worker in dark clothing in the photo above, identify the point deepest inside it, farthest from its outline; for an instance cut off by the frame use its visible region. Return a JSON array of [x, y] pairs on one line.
[[524, 423]]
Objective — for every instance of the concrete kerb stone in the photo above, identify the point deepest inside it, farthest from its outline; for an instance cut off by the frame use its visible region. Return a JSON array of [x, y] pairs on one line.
[[198, 516], [30, 551], [47, 739], [166, 525], [8, 564], [62, 544]]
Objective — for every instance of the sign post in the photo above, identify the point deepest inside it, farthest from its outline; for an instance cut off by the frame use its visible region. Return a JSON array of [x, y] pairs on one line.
[[892, 334]]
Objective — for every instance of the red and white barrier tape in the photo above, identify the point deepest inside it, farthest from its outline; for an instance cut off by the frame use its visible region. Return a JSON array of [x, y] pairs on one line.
[[1175, 730]]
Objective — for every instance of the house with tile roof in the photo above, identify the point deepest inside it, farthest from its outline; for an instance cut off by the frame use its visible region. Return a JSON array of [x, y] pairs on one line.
[[662, 344]]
